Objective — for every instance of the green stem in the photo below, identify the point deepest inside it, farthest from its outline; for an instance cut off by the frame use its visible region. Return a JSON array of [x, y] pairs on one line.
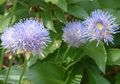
[[2, 58], [12, 12], [68, 48], [23, 3], [58, 53], [23, 71], [10, 64], [73, 63]]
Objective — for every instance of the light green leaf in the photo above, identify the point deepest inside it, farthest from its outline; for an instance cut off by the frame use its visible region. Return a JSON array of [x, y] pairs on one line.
[[4, 21], [2, 1], [113, 57], [97, 53], [51, 48], [40, 72], [13, 76], [46, 73], [17, 15], [2, 73], [77, 11], [60, 3]]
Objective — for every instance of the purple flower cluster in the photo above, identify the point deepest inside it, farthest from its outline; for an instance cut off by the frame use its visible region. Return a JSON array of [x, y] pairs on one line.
[[99, 26], [26, 35], [30, 35], [74, 34]]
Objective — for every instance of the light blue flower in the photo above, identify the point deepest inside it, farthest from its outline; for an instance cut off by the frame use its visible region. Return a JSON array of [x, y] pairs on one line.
[[26, 35], [74, 34], [101, 25]]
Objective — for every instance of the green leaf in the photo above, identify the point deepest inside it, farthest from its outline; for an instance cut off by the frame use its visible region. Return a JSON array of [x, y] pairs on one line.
[[55, 44], [1, 82], [60, 3], [77, 11], [95, 77], [60, 15], [17, 15], [33, 59], [116, 14], [2, 73], [46, 73], [47, 20], [4, 21], [75, 1], [97, 53], [109, 3], [117, 79], [73, 55], [75, 75], [13, 76], [113, 57], [2, 1], [40, 72], [89, 5]]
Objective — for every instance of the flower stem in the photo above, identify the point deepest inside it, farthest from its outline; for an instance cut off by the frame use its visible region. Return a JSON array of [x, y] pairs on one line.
[[2, 58], [12, 11], [74, 62], [23, 71], [10, 64], [68, 48]]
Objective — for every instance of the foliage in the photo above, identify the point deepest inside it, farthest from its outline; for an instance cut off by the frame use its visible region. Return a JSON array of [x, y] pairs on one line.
[[60, 63]]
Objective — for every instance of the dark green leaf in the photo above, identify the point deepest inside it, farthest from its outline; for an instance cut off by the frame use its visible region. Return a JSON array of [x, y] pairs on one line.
[[95, 77], [109, 3], [60, 3], [117, 79], [89, 5], [77, 11], [113, 57], [75, 1], [47, 20], [60, 15], [75, 75], [73, 55]]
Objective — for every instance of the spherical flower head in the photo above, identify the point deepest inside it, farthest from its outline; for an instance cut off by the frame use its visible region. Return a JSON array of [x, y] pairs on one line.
[[74, 34], [26, 35], [101, 25]]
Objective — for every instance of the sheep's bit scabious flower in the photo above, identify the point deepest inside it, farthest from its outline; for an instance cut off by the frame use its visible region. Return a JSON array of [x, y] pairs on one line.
[[101, 25], [26, 35], [74, 33]]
